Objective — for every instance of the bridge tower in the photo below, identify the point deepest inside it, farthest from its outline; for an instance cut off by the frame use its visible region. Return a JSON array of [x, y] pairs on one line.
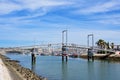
[[90, 50], [64, 45]]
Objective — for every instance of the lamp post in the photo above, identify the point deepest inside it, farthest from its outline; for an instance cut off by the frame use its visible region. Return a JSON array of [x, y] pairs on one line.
[[64, 44]]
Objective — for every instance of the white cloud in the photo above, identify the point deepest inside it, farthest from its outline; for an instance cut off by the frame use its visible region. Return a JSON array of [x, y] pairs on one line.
[[36, 4], [111, 21], [75, 35], [80, 35], [16, 27], [100, 7], [6, 8], [31, 5]]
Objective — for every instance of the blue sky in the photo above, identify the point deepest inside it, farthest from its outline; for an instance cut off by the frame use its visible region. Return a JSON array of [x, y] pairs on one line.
[[24, 21]]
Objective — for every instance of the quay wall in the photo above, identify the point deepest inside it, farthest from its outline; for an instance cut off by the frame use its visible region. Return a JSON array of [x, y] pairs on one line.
[[112, 57]]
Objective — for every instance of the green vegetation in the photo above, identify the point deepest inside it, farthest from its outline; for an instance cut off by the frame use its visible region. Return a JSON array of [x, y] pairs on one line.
[[104, 45], [101, 43]]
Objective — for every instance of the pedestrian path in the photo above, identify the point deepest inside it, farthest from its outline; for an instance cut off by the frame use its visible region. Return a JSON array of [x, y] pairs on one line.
[[4, 72]]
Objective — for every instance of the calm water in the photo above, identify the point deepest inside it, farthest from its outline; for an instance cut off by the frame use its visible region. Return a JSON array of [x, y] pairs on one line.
[[75, 69]]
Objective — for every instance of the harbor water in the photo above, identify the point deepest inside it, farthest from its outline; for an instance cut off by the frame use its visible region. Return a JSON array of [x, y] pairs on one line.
[[53, 68]]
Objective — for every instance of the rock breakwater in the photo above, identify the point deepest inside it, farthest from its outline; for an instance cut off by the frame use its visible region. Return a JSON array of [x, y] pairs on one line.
[[25, 73]]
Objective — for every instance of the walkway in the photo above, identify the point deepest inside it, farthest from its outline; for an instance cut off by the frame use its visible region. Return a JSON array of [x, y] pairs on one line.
[[4, 72], [7, 72]]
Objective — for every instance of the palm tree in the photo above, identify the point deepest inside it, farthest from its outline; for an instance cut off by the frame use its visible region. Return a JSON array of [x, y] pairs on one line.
[[112, 45], [101, 43], [108, 45]]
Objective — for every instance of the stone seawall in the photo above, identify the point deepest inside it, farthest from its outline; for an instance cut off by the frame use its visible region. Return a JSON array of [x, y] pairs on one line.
[[24, 73], [112, 57]]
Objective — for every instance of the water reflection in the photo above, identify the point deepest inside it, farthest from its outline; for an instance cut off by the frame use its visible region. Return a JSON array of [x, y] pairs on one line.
[[110, 61], [91, 70], [64, 70], [33, 66]]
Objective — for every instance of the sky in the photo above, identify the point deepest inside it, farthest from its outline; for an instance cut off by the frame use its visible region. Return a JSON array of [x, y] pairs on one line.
[[29, 22]]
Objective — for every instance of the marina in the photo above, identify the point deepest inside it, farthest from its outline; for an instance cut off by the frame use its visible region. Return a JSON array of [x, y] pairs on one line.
[[59, 40]]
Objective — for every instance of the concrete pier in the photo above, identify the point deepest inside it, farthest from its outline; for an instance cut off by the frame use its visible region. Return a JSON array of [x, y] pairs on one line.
[[90, 55], [64, 57], [33, 56]]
